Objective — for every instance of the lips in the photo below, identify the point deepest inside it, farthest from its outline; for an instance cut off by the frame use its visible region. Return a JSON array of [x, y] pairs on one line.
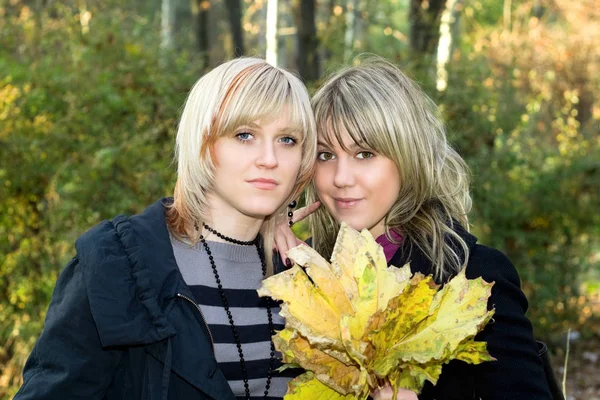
[[263, 183], [346, 202]]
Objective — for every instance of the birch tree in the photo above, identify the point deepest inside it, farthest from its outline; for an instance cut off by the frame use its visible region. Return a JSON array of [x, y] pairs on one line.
[[351, 9], [448, 31], [166, 24], [271, 30]]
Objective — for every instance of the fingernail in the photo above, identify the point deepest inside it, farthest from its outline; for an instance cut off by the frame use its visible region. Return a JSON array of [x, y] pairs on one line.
[[288, 262], [274, 252]]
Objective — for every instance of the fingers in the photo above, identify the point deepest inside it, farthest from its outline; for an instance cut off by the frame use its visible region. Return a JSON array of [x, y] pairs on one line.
[[285, 240], [387, 393], [284, 236], [304, 212]]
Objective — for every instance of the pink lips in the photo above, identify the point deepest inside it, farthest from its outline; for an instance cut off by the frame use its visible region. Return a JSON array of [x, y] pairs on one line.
[[346, 202], [263, 183]]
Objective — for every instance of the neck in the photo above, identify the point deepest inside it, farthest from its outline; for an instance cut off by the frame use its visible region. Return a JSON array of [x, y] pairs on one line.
[[231, 223]]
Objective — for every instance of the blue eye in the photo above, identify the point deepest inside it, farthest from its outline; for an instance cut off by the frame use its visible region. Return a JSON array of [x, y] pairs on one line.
[[243, 136], [325, 156], [364, 155], [288, 140]]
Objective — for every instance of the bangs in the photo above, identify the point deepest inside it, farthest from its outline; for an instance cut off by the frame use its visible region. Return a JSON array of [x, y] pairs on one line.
[[261, 93], [337, 118]]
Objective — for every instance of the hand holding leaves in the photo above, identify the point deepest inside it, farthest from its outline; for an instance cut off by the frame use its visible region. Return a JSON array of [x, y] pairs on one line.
[[355, 324]]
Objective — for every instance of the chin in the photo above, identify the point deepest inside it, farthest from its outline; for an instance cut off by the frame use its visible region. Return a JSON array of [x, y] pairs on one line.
[[356, 225], [259, 212]]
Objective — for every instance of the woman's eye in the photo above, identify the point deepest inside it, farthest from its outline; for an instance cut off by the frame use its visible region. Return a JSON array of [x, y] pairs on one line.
[[325, 156], [243, 136], [365, 155], [288, 140]]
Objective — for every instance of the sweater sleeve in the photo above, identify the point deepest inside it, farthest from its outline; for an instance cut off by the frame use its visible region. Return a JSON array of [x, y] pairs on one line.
[[518, 372], [68, 361]]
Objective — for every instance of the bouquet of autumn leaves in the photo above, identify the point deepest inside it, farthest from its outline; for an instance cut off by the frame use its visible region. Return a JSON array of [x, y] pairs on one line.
[[354, 324]]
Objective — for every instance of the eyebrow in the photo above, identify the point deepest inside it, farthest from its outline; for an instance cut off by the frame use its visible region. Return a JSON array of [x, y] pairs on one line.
[[353, 146], [284, 131]]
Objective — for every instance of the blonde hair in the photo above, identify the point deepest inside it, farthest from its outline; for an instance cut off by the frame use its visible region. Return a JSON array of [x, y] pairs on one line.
[[381, 108], [235, 93]]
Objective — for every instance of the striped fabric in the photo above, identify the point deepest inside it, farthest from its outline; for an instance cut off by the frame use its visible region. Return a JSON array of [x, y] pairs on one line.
[[241, 274]]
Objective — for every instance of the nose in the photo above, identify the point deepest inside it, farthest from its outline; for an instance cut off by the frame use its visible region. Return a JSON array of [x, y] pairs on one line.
[[267, 157], [344, 176]]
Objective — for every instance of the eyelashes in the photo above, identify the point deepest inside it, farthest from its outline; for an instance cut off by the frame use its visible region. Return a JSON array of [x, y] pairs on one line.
[[243, 136], [324, 156], [246, 137]]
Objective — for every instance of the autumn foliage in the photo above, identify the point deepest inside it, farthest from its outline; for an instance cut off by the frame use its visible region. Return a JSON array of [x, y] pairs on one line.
[[355, 324]]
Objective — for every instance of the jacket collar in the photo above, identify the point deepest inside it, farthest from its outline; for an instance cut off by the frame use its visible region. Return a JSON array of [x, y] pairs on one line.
[[133, 281]]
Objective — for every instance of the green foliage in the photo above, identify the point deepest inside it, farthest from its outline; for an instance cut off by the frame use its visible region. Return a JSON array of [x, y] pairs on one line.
[[523, 115], [87, 114], [86, 133]]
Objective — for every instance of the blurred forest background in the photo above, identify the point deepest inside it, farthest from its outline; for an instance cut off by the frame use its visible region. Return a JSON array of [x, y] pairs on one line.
[[90, 92]]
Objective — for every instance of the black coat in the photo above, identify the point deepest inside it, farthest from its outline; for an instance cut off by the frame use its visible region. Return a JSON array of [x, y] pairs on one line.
[[119, 325], [518, 372]]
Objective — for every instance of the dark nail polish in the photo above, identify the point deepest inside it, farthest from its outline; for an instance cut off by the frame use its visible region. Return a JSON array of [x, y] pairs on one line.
[[288, 262]]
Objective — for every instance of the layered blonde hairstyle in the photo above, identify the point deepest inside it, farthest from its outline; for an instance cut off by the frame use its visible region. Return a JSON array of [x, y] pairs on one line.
[[382, 109], [235, 93]]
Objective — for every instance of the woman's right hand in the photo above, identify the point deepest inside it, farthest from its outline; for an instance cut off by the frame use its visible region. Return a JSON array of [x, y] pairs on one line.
[[285, 238], [387, 393]]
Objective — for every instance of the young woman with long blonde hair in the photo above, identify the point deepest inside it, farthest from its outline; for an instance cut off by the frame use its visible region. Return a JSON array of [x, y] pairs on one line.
[[384, 164]]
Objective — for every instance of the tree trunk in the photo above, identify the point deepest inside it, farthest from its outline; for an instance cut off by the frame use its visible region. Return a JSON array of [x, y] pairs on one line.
[[200, 11], [538, 9], [166, 24], [424, 19], [272, 47], [448, 31], [307, 59], [351, 7], [326, 53], [234, 13]]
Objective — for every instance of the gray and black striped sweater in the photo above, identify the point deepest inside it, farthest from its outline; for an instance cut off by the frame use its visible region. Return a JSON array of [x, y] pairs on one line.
[[240, 273]]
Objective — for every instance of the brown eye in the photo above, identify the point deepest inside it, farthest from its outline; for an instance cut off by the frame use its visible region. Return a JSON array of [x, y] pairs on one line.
[[365, 155], [325, 156]]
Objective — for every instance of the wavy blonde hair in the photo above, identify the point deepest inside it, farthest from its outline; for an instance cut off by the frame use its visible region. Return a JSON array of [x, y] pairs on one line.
[[235, 93], [380, 107]]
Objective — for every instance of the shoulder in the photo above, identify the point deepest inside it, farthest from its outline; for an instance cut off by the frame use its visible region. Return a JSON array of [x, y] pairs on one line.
[[492, 265], [125, 240], [124, 263]]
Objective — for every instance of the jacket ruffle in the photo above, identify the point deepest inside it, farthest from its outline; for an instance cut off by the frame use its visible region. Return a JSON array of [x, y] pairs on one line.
[[124, 303]]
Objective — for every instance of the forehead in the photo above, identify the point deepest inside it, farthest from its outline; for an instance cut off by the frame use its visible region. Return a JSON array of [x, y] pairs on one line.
[[338, 137]]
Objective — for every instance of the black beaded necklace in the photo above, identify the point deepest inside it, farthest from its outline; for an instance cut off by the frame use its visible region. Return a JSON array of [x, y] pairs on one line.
[[238, 343]]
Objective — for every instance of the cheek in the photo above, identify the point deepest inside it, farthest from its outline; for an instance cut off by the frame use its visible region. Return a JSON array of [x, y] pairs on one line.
[[322, 179], [386, 187], [291, 164]]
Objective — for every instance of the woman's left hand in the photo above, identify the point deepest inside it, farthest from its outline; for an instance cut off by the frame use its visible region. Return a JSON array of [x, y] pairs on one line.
[[386, 393]]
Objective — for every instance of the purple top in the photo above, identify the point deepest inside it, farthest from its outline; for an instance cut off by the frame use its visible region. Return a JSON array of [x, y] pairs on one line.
[[389, 248]]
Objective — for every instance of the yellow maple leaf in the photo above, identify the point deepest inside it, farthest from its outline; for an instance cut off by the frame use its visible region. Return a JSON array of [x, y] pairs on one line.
[[355, 322], [306, 386], [456, 312], [344, 378]]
